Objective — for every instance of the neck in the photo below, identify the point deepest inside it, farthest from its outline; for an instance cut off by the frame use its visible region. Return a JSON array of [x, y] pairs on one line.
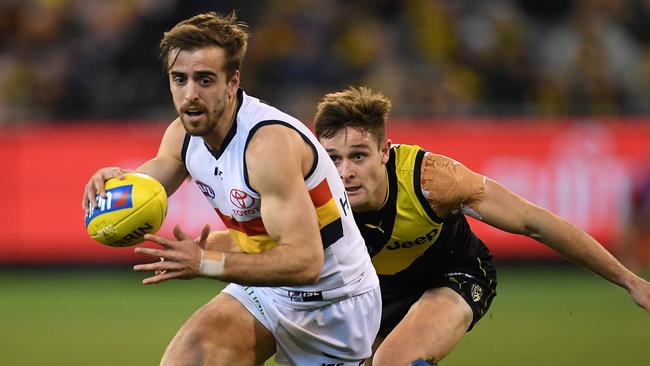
[[382, 193], [378, 199]]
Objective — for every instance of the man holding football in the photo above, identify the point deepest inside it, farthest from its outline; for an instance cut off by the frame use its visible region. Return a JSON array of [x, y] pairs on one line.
[[302, 283], [436, 276]]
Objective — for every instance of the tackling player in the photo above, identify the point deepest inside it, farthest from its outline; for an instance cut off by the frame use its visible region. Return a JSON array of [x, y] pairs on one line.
[[436, 276]]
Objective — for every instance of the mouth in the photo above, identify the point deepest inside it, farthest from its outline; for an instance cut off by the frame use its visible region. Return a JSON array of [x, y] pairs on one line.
[[353, 189], [193, 115]]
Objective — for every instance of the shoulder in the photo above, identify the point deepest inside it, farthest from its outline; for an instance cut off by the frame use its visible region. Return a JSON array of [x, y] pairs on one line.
[[271, 137], [275, 149], [448, 184], [173, 138], [445, 171], [432, 163], [175, 130], [274, 160]]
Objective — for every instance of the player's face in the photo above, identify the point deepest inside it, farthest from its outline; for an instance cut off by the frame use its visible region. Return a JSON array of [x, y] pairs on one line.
[[200, 89], [361, 165]]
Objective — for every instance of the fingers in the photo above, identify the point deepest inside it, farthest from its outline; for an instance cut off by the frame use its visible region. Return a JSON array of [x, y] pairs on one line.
[[157, 239], [160, 272], [205, 232], [164, 276], [163, 270], [160, 266], [95, 185], [154, 253], [179, 258], [85, 203], [179, 234]]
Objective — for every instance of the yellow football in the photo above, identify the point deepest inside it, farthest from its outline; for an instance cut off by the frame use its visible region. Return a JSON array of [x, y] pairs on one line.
[[133, 206]]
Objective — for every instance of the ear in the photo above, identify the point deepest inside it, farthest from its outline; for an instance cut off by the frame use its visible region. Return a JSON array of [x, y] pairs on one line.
[[384, 150], [233, 84]]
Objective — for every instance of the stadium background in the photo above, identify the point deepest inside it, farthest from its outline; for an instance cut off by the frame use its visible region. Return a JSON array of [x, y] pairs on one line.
[[550, 99]]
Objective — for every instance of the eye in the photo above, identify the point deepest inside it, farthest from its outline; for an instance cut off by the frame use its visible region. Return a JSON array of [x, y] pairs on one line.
[[179, 80], [335, 158], [358, 156], [205, 81]]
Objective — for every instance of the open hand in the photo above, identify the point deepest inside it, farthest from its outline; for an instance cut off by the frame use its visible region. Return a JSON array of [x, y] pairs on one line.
[[179, 258]]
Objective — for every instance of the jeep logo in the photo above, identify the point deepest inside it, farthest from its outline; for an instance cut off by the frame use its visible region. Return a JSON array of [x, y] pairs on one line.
[[418, 241]]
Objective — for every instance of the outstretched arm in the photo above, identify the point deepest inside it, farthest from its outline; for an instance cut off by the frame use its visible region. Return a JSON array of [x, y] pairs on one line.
[[507, 211], [450, 187]]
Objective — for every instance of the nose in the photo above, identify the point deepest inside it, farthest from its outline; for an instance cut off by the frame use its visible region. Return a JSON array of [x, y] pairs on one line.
[[191, 91], [346, 170]]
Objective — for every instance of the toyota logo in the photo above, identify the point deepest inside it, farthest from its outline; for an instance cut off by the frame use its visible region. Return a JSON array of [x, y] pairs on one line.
[[241, 199]]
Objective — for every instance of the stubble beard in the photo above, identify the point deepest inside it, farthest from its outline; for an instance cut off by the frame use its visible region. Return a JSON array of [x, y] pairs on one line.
[[201, 129], [210, 125]]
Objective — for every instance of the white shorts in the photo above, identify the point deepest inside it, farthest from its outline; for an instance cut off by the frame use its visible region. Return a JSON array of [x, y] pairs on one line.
[[339, 333]]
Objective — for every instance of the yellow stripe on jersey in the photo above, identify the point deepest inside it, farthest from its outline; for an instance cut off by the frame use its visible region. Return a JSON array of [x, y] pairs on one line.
[[329, 216], [252, 244], [327, 213]]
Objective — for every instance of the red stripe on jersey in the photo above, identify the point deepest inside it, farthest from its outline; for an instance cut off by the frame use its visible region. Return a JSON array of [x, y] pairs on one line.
[[320, 194], [250, 228]]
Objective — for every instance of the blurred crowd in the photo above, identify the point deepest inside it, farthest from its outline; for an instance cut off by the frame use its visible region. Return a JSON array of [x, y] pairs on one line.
[[66, 60]]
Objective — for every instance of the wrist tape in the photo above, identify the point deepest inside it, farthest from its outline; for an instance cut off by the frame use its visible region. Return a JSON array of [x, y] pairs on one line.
[[211, 264]]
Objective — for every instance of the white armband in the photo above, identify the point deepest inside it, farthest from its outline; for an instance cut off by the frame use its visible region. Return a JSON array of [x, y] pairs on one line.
[[211, 265]]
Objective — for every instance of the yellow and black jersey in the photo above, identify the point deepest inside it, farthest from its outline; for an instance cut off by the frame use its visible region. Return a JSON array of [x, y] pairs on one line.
[[406, 237], [413, 249]]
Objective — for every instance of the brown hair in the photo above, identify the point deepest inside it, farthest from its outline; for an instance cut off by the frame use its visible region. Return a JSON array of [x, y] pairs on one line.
[[359, 108], [208, 30]]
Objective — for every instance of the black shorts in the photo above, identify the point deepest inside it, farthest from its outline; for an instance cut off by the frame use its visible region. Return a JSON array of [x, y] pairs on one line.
[[474, 283]]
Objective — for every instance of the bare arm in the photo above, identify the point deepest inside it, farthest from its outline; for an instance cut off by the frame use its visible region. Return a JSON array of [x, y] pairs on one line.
[[451, 187], [288, 214], [507, 211], [167, 167]]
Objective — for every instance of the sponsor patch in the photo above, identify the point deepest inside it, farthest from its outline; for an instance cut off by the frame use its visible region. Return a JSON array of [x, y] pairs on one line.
[[300, 296], [241, 199], [118, 198]]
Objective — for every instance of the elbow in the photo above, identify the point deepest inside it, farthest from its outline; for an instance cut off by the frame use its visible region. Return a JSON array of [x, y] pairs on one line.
[[532, 232], [311, 278], [305, 277], [311, 273], [529, 231]]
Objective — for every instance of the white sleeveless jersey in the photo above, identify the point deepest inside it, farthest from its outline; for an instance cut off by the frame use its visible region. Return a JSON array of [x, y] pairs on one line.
[[222, 177]]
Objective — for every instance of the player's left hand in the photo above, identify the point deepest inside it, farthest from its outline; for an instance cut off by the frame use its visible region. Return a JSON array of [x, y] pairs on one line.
[[179, 258]]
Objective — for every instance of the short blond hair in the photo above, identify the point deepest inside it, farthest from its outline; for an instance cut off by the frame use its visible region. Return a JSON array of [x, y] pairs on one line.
[[359, 108]]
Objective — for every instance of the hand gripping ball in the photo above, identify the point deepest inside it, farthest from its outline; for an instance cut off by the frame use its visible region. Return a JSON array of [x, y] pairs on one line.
[[133, 206]]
